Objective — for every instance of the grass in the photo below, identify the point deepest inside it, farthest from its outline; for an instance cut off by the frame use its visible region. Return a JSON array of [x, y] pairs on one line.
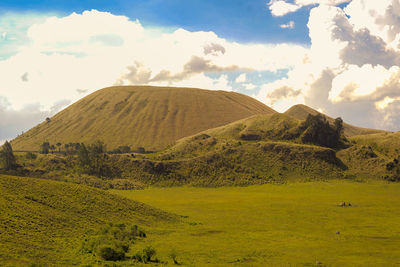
[[141, 116], [387, 144], [45, 222], [301, 112], [280, 225]]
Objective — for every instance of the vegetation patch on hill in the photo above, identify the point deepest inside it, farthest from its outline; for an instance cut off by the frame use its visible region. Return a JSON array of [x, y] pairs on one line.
[[45, 222]]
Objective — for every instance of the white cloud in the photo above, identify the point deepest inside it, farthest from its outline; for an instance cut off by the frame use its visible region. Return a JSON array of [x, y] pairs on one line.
[[241, 78], [69, 57], [282, 7], [324, 2], [358, 82], [289, 25], [352, 69], [383, 104], [14, 122], [249, 86]]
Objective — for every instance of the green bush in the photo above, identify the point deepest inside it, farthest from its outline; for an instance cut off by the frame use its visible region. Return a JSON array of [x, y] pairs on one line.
[[113, 241], [146, 255], [111, 254], [173, 255], [44, 148], [394, 168], [317, 130], [30, 155], [7, 157]]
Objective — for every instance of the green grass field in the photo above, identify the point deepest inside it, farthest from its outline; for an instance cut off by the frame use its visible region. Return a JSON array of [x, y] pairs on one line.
[[296, 224], [45, 222]]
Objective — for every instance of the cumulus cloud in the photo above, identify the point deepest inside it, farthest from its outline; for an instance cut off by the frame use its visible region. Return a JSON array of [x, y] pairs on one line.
[[71, 56], [241, 78], [14, 122], [352, 69], [249, 86], [289, 25], [180, 55], [283, 7]]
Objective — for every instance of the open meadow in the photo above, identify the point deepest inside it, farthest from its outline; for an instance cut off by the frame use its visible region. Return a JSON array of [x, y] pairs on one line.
[[295, 224]]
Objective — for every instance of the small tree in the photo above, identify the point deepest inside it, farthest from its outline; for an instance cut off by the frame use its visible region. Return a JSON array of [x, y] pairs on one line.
[[66, 146], [394, 168], [52, 147], [83, 159], [44, 148], [97, 158], [338, 126], [59, 146], [7, 157], [317, 130]]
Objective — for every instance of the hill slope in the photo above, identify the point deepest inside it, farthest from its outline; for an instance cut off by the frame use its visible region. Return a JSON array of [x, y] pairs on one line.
[[149, 117], [45, 222], [301, 112], [254, 150]]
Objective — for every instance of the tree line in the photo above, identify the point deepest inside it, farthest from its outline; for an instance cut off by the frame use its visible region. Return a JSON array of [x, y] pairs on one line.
[[73, 148]]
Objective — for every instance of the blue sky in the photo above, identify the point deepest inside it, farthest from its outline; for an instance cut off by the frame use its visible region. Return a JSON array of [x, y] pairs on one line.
[[341, 57], [242, 21]]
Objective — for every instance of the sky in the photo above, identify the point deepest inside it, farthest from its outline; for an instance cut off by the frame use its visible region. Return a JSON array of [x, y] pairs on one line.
[[340, 57]]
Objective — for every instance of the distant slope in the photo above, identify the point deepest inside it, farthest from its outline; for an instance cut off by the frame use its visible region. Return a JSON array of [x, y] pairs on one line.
[[254, 150], [45, 222], [387, 144], [301, 112], [145, 116]]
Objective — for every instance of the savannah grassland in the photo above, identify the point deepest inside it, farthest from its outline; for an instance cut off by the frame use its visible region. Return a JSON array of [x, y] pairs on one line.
[[296, 224]]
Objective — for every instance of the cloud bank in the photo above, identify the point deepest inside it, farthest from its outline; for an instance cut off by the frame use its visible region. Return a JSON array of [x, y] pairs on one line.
[[72, 56], [352, 69]]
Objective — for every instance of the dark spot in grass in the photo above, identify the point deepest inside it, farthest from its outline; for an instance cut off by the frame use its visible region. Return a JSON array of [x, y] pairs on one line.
[[210, 232], [243, 260]]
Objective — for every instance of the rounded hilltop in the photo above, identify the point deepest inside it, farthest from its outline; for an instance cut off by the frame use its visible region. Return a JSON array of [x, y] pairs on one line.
[[141, 116]]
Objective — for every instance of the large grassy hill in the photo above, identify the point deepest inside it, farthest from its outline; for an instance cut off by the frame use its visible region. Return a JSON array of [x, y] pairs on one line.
[[301, 112], [141, 116], [45, 222], [260, 149]]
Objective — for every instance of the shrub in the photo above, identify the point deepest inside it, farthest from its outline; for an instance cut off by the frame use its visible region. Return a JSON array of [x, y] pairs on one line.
[[124, 149], [113, 241], [317, 130], [30, 155], [173, 255], [148, 253], [111, 254], [394, 168], [44, 148], [7, 157]]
